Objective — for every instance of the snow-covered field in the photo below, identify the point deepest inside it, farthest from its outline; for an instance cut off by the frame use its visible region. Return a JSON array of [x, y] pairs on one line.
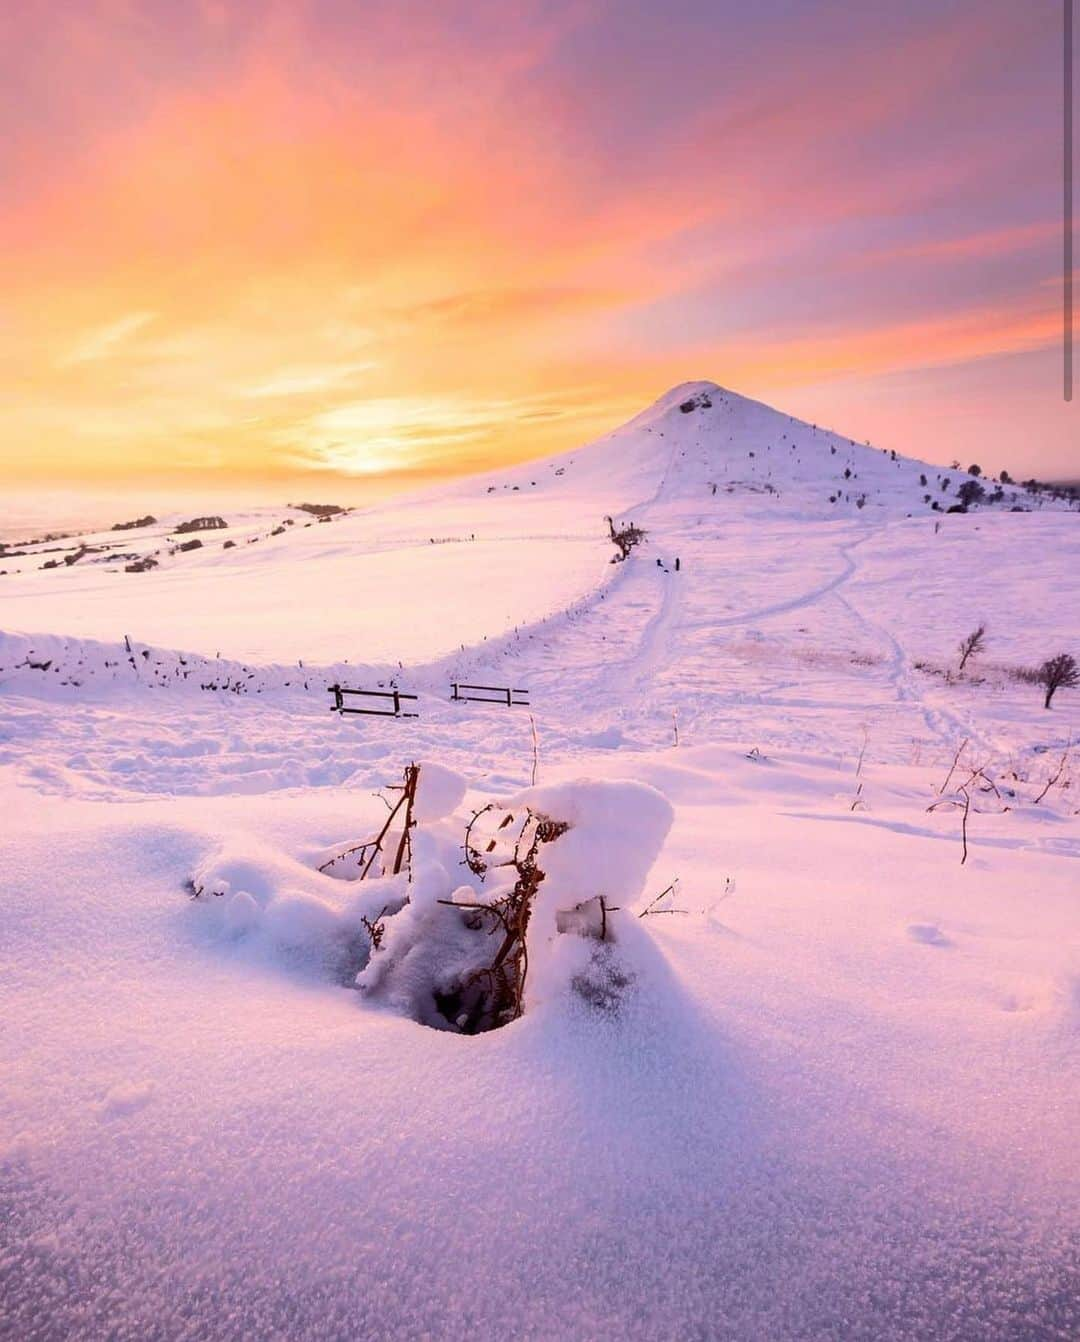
[[833, 1090]]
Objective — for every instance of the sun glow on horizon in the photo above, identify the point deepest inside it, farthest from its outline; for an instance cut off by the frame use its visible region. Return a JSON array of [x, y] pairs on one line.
[[254, 243]]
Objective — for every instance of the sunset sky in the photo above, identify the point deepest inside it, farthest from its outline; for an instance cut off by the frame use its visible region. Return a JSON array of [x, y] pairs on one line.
[[249, 241]]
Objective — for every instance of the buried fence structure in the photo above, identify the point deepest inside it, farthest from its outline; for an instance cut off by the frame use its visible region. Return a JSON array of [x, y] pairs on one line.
[[394, 698], [489, 694]]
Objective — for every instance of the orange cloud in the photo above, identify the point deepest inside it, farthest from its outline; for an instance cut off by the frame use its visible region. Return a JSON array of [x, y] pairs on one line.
[[276, 261]]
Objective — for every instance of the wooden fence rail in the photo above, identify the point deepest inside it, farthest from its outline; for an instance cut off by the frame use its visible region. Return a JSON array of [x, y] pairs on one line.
[[392, 700], [394, 697], [490, 694]]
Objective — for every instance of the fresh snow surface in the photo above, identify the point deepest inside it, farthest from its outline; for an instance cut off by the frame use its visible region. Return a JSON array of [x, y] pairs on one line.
[[318, 592], [836, 1093]]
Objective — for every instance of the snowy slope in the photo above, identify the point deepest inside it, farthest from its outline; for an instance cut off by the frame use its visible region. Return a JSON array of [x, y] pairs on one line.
[[838, 1097], [309, 591], [463, 559], [700, 437]]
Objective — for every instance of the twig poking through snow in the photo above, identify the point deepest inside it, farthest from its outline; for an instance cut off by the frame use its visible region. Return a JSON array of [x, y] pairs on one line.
[[963, 824], [375, 927], [966, 804], [956, 761], [1060, 770], [403, 852], [862, 753], [535, 749], [474, 859], [651, 908]]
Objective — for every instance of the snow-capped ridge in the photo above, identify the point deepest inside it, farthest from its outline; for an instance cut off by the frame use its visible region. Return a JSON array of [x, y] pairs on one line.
[[701, 442]]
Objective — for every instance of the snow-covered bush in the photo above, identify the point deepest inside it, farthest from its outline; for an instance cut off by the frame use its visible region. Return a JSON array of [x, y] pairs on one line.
[[540, 908], [552, 869]]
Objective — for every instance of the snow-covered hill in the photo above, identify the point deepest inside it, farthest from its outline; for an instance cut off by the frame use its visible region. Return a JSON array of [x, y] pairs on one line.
[[277, 586], [830, 1093], [700, 441]]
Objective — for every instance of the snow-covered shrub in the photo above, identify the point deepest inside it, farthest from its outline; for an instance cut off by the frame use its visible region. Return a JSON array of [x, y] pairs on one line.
[[553, 869], [279, 909], [426, 793], [539, 910]]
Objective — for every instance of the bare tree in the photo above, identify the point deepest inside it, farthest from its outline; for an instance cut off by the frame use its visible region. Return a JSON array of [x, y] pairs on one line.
[[974, 643], [1060, 672], [624, 539]]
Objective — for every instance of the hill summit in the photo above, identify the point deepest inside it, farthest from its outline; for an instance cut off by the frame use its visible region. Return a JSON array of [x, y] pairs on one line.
[[700, 440]]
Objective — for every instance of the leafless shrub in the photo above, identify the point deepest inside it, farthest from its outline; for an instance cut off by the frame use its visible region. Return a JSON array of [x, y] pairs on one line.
[[475, 859], [862, 752], [651, 907], [375, 927], [972, 645], [625, 539], [535, 749], [1058, 673], [979, 782], [952, 769], [1056, 776], [392, 863], [492, 995], [963, 800]]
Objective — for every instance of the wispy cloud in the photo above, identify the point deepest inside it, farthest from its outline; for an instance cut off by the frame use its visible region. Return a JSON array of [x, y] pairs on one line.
[[103, 341], [393, 433], [304, 381]]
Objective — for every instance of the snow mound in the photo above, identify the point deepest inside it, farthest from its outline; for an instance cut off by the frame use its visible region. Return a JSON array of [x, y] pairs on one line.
[[439, 792], [617, 828], [547, 910]]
